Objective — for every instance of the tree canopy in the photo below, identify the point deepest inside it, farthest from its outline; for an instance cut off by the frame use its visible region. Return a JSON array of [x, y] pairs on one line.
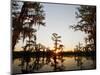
[[26, 15], [87, 23]]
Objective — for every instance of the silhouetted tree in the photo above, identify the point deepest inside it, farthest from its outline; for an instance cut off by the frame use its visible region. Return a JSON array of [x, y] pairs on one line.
[[78, 48], [56, 39], [61, 47], [25, 15], [16, 24], [87, 23]]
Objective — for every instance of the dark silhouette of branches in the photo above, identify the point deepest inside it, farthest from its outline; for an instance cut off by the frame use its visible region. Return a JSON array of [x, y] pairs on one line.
[[56, 39], [25, 15], [87, 24]]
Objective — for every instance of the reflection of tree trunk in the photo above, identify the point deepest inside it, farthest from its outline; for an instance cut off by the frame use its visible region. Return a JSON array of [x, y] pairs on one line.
[[27, 65], [94, 61], [78, 59], [55, 63]]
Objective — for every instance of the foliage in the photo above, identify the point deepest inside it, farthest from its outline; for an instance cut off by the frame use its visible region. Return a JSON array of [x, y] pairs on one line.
[[87, 24], [56, 38], [25, 15]]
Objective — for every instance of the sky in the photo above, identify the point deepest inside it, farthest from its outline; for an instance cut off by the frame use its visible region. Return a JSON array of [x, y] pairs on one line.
[[58, 18]]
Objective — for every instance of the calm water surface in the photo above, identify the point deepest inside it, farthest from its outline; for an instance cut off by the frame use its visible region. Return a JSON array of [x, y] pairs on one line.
[[40, 64]]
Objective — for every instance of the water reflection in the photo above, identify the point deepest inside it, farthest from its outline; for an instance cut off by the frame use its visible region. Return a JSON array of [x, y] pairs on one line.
[[55, 63]]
